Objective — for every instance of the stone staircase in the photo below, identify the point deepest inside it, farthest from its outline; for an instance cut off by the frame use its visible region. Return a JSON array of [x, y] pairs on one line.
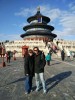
[[60, 47]]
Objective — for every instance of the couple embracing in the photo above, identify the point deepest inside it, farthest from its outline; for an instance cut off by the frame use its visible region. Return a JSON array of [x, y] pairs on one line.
[[34, 63]]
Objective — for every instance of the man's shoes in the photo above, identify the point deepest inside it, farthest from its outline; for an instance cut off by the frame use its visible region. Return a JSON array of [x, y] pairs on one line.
[[26, 93], [37, 90], [45, 91]]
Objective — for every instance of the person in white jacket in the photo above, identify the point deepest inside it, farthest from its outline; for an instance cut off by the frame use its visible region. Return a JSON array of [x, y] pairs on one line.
[[68, 55]]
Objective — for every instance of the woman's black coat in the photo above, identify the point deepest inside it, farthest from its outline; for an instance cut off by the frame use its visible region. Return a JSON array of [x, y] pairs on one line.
[[29, 65]]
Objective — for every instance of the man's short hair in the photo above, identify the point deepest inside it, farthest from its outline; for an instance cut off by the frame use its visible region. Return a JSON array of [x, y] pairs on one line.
[[36, 47]]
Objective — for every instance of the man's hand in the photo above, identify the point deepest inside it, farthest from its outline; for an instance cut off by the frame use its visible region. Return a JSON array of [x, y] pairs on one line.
[[26, 74]]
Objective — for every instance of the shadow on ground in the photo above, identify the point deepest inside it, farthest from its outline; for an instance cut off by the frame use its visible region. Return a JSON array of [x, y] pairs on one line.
[[57, 79], [55, 63], [18, 80], [54, 80]]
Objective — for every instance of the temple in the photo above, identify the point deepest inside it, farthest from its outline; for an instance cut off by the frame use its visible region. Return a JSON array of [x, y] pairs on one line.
[[38, 28]]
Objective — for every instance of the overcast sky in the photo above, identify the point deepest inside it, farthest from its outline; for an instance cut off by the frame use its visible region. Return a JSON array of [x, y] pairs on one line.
[[14, 14]]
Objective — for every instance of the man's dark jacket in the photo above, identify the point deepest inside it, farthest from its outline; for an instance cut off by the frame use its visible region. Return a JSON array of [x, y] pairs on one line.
[[29, 65], [39, 62]]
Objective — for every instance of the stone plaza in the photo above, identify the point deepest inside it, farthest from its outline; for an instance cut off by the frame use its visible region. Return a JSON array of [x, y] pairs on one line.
[[59, 76]]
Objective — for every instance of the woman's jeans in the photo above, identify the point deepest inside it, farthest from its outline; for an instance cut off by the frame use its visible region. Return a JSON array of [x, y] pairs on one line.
[[48, 62], [38, 77], [28, 83]]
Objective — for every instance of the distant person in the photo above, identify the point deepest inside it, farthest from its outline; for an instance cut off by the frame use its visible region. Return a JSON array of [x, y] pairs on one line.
[[68, 55], [48, 59], [62, 55], [29, 70], [54, 49], [40, 62], [8, 56], [57, 43], [73, 54]]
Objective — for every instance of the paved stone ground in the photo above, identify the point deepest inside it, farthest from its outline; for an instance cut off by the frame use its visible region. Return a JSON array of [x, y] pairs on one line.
[[60, 81]]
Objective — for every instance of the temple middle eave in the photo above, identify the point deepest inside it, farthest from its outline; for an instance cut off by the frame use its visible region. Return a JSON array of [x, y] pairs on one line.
[[25, 28]]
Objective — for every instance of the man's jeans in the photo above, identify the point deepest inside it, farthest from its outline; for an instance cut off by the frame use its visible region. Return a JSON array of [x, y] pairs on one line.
[[38, 77]]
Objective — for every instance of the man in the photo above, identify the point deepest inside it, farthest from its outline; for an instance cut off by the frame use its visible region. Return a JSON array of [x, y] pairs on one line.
[[39, 59], [8, 56]]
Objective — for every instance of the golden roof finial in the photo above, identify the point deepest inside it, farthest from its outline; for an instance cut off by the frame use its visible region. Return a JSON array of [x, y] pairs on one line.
[[38, 8]]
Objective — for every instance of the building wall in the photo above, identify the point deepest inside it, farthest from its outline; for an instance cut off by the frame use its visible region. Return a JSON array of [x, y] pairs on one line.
[[70, 45], [17, 45]]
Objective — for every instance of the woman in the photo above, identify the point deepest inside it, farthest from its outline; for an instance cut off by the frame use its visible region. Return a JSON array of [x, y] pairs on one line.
[[48, 59], [29, 71]]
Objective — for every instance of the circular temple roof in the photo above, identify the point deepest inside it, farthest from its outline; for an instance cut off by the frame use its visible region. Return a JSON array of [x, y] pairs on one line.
[[38, 14], [39, 25], [43, 33]]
